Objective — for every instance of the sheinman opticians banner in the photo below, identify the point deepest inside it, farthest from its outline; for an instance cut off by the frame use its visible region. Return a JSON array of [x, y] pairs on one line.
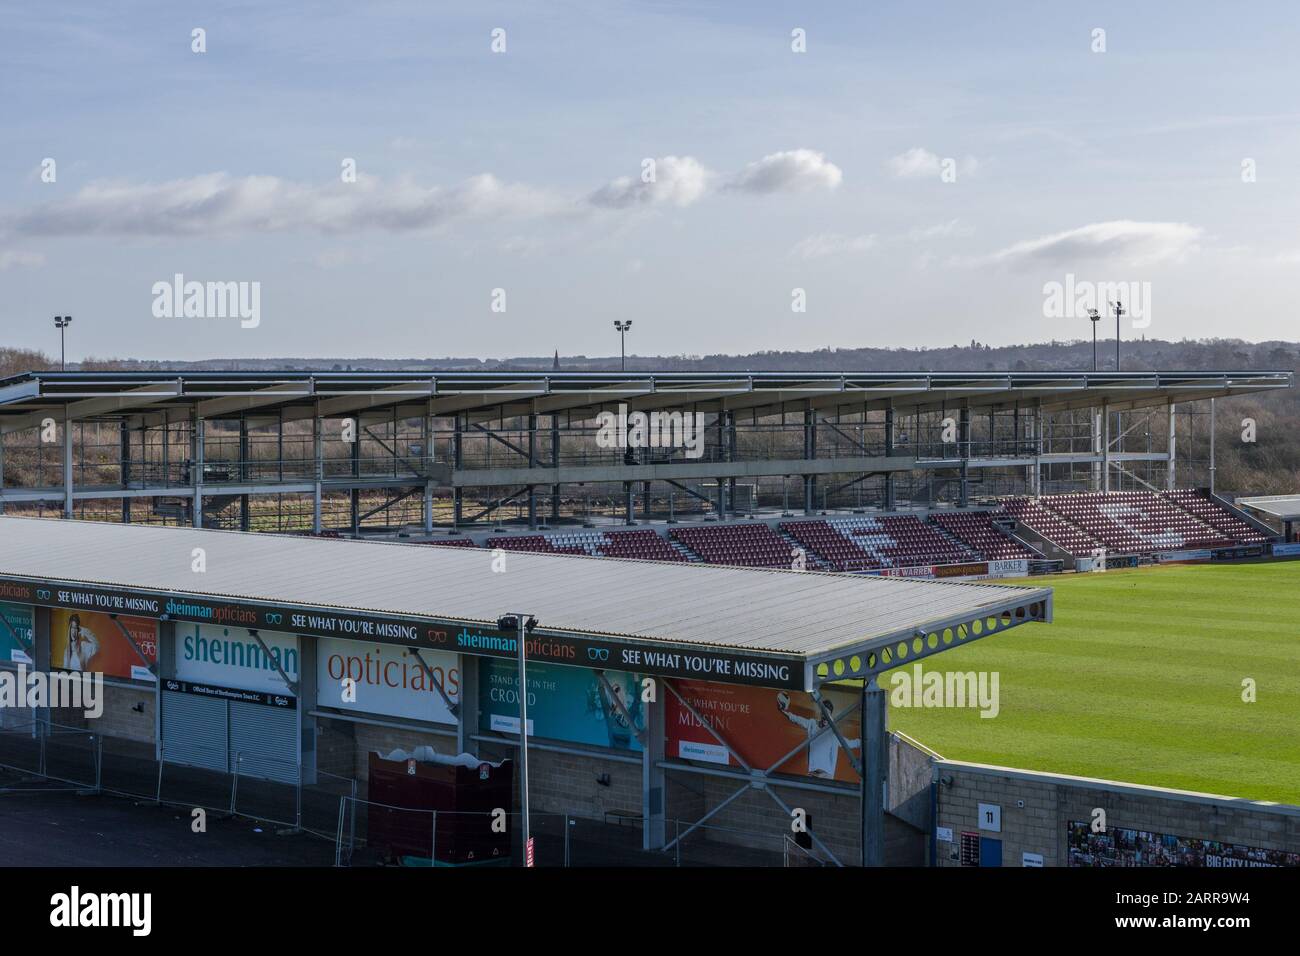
[[92, 642], [762, 726], [230, 657], [387, 679], [19, 619], [564, 703]]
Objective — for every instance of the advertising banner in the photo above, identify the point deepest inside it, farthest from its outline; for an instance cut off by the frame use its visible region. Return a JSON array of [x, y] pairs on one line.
[[386, 679], [19, 618], [230, 657], [564, 703], [762, 726], [971, 571], [1124, 847], [765, 669], [92, 642]]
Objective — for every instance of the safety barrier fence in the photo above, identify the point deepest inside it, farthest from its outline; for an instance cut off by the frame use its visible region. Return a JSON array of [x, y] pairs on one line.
[[250, 785], [369, 832], [255, 786]]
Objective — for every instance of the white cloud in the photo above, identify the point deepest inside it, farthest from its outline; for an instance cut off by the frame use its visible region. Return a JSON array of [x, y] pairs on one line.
[[832, 244], [919, 163], [794, 170], [13, 258], [952, 229], [1133, 243], [915, 163], [678, 180], [219, 204]]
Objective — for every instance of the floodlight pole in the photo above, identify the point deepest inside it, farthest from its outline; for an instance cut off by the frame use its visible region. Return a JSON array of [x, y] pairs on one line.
[[61, 322], [1119, 310], [1095, 316], [623, 328]]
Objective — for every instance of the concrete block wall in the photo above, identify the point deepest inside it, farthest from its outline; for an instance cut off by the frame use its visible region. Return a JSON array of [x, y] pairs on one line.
[[121, 719], [569, 783], [1051, 802]]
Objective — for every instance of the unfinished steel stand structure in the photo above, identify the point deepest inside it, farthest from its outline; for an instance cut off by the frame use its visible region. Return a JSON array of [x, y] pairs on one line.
[[358, 451]]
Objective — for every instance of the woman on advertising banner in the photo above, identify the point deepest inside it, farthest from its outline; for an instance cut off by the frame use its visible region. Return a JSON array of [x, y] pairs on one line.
[[82, 646]]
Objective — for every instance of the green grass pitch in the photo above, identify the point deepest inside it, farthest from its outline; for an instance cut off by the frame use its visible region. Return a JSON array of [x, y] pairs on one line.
[[1139, 679]]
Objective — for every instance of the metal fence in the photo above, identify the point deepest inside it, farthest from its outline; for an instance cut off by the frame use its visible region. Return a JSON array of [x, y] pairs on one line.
[[367, 832], [371, 833], [230, 784]]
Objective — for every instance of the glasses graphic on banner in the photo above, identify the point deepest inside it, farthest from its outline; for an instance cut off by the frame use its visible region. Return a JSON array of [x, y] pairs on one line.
[[598, 653]]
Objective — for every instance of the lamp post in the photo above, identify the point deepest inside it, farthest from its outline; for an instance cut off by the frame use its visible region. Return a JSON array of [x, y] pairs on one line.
[[1095, 316], [61, 322], [1119, 310], [622, 339], [522, 625]]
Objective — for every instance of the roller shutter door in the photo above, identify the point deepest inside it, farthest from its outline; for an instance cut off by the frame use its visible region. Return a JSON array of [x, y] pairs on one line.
[[265, 741], [194, 730]]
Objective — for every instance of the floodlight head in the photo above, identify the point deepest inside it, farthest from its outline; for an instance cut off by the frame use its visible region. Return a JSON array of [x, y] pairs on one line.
[[507, 623]]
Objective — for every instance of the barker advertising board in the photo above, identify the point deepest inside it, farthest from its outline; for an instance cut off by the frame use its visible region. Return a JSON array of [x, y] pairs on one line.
[[565, 703], [762, 726], [18, 617], [385, 679], [93, 642]]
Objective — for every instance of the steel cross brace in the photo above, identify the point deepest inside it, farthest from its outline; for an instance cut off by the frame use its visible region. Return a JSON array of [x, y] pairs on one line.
[[759, 779], [292, 684], [153, 667]]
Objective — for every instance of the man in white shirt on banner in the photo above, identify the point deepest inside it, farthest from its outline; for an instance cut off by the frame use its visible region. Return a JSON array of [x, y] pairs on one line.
[[824, 751]]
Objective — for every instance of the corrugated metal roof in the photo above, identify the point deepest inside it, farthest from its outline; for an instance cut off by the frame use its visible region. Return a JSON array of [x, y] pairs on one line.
[[791, 612]]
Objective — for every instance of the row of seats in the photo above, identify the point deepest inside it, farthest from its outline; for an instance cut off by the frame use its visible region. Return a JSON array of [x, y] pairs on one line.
[[1200, 504], [866, 543], [977, 530], [1052, 526], [747, 545], [1081, 524], [643, 544], [1133, 522]]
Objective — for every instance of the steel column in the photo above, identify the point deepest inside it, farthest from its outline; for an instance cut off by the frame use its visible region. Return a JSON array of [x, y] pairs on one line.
[[875, 760]]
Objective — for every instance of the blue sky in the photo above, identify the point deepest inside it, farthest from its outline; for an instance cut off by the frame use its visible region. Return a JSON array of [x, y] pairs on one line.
[[775, 171]]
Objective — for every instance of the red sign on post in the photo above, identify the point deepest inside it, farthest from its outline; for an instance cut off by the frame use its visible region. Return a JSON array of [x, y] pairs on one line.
[[528, 860]]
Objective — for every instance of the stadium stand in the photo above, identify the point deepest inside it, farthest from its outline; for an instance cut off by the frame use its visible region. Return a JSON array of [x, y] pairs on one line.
[[918, 543], [452, 543], [748, 545], [1051, 526], [862, 543], [1200, 504], [1132, 522], [978, 530], [1125, 522], [643, 544], [834, 547]]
